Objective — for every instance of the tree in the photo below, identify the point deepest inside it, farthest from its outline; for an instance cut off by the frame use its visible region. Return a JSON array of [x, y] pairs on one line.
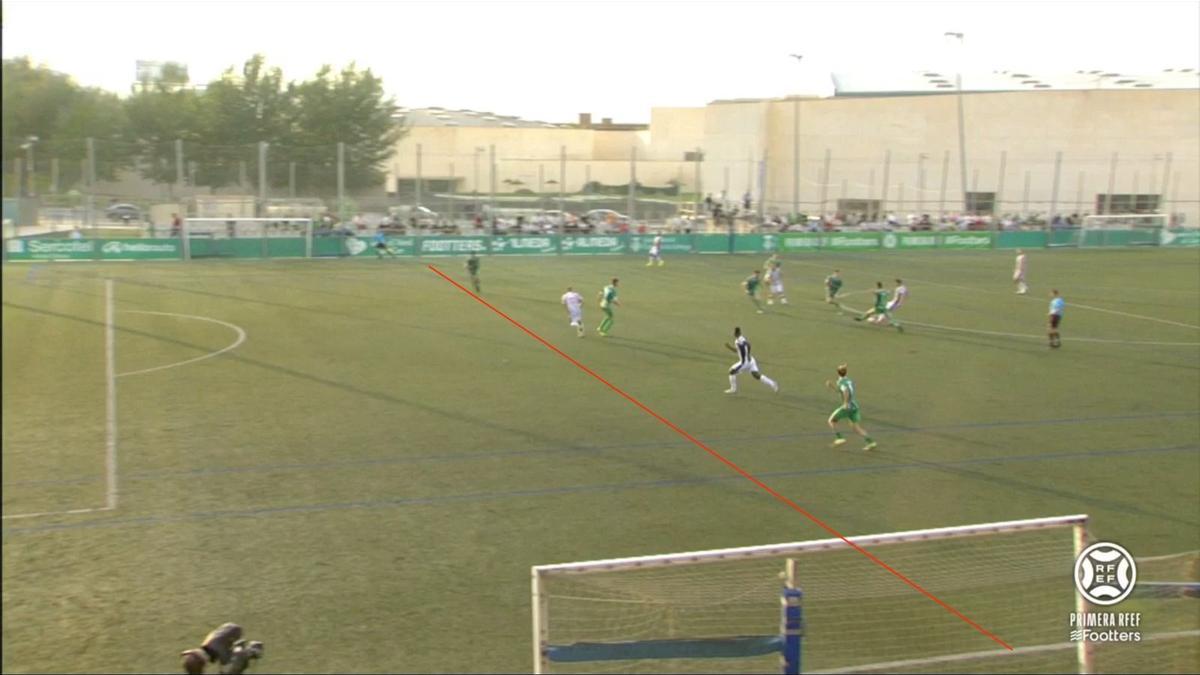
[[348, 107], [159, 116], [237, 112], [42, 103]]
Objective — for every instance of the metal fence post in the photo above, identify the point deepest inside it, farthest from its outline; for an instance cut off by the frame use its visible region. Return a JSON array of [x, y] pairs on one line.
[[1165, 180], [179, 164], [795, 155], [419, 179], [341, 181], [1000, 180], [1112, 183], [825, 180], [945, 176], [632, 183], [1054, 186], [262, 178], [887, 168], [91, 181], [562, 187]]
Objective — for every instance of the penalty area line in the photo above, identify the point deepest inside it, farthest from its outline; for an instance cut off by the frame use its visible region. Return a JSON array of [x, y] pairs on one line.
[[110, 420], [739, 470]]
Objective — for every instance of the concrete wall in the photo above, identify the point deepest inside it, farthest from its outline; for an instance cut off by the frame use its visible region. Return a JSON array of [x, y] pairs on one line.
[[1011, 141], [1021, 130]]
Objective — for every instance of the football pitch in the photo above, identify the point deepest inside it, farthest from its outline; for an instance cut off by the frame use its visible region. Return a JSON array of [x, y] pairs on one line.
[[359, 463]]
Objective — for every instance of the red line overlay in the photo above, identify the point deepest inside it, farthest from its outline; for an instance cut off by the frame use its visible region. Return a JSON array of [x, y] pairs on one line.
[[745, 474]]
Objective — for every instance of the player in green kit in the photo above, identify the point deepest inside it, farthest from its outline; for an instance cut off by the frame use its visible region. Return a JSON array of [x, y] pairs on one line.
[[833, 284], [848, 410], [608, 298], [751, 285], [881, 301], [472, 266]]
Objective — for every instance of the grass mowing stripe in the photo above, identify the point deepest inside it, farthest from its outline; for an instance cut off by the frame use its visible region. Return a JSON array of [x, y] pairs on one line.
[[796, 507], [494, 454], [578, 489]]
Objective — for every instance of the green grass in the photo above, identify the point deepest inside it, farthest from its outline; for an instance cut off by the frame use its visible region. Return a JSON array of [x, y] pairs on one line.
[[365, 482]]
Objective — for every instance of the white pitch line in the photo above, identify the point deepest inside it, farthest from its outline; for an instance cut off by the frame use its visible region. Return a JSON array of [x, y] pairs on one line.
[[892, 666], [110, 368], [70, 512], [1135, 316], [1169, 556], [1039, 337], [241, 337], [110, 419]]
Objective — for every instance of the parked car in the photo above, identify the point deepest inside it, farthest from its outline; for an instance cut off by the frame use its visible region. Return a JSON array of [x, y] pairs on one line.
[[123, 212], [405, 214], [605, 219]]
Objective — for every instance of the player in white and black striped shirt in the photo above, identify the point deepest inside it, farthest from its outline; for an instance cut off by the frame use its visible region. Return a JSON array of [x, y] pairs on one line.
[[745, 362]]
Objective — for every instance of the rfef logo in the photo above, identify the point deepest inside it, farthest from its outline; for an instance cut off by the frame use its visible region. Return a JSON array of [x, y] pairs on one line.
[[1105, 573]]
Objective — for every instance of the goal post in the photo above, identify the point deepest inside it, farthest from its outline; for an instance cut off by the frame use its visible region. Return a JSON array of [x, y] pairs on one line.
[[821, 604]]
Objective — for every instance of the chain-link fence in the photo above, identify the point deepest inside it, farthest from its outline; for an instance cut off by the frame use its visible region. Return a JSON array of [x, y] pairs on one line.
[[93, 183]]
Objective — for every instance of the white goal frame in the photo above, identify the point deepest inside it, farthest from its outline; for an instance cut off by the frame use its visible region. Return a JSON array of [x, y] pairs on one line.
[[539, 573], [220, 225], [1118, 221]]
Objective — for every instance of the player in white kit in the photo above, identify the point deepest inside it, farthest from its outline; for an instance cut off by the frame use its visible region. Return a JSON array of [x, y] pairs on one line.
[[775, 283], [656, 251], [1019, 273], [898, 298], [745, 363], [573, 301]]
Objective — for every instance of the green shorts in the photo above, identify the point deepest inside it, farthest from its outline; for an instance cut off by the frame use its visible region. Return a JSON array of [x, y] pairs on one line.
[[844, 413]]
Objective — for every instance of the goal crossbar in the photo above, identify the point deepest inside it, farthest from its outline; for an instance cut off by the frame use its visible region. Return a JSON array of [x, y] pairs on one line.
[[775, 550]]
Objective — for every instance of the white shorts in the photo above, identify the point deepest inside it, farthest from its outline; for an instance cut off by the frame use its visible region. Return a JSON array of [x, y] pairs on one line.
[[654, 253], [750, 366], [576, 316], [1018, 276], [777, 287], [893, 306]]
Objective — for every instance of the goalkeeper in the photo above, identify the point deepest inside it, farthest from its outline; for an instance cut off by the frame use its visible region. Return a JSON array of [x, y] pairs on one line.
[[225, 646]]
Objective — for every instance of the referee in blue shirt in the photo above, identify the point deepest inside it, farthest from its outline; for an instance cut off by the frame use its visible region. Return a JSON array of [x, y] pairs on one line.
[[1056, 312]]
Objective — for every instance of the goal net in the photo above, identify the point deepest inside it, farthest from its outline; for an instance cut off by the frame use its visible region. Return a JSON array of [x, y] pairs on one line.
[[719, 611], [233, 236], [1143, 229]]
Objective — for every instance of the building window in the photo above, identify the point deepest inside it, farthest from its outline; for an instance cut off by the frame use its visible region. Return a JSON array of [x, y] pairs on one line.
[[863, 209], [693, 156], [981, 203], [1115, 204]]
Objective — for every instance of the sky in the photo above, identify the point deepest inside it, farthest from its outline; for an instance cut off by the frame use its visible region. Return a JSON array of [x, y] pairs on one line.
[[551, 60]]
